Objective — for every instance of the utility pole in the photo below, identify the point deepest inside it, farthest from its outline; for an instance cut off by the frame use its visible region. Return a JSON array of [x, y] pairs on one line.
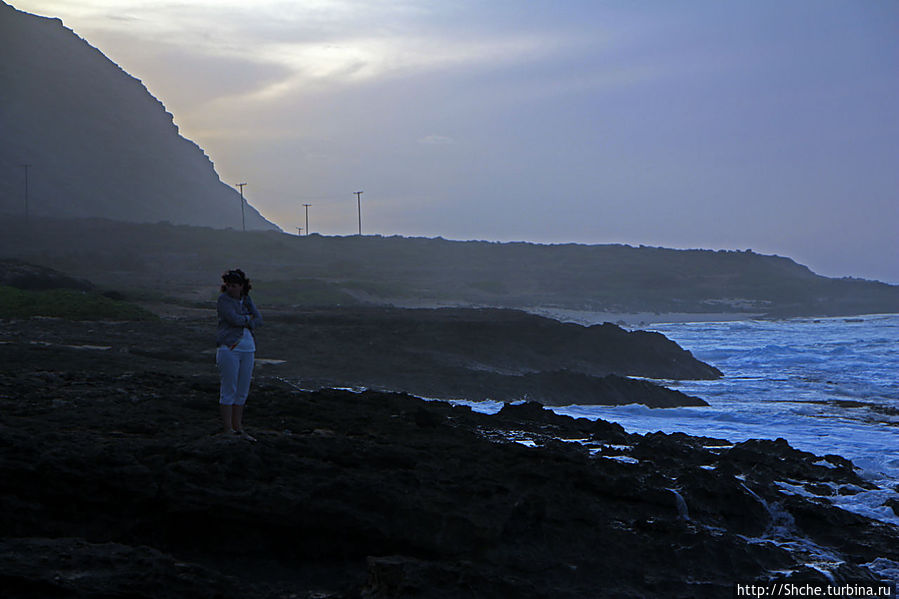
[[299, 231], [243, 219], [26, 167], [359, 207], [307, 217]]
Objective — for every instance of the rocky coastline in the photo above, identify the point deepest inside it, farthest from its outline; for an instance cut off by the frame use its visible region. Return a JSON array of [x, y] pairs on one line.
[[477, 354], [503, 355], [115, 483]]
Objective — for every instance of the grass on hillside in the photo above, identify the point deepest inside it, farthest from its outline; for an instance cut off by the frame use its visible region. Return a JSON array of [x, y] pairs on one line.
[[68, 304]]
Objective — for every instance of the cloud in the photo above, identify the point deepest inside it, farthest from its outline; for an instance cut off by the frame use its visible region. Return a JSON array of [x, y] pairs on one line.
[[328, 64], [717, 125]]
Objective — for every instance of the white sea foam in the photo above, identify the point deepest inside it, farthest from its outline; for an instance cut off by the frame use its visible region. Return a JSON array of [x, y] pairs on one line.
[[826, 385], [885, 568], [624, 459]]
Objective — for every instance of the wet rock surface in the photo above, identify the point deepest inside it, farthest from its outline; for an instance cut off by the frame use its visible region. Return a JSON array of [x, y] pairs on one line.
[[115, 483]]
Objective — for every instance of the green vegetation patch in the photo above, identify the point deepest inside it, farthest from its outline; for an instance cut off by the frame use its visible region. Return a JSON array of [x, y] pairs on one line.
[[68, 304]]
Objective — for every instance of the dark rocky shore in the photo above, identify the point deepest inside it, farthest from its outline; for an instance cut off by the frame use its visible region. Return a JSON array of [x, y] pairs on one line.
[[115, 484], [505, 355]]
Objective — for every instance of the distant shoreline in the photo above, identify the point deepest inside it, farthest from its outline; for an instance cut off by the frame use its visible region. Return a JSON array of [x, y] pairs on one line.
[[591, 317], [587, 317], [625, 319]]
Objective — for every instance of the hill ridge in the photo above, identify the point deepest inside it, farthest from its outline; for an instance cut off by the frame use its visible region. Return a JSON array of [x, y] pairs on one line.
[[426, 272], [98, 143]]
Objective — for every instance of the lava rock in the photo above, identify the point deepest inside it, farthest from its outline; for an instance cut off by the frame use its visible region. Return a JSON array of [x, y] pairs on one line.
[[377, 494]]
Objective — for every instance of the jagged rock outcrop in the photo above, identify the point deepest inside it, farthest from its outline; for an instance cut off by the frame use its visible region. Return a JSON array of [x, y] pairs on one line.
[[477, 354], [99, 144]]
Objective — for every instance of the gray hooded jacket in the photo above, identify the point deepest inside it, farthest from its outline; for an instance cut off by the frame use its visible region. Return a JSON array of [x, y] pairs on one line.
[[234, 317]]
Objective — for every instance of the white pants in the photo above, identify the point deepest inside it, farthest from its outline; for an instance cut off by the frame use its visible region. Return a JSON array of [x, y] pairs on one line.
[[236, 370]]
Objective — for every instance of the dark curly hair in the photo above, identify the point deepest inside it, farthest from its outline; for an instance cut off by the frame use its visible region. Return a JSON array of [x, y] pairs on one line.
[[236, 276]]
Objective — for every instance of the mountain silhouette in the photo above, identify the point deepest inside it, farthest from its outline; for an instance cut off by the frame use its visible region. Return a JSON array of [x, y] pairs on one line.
[[97, 143]]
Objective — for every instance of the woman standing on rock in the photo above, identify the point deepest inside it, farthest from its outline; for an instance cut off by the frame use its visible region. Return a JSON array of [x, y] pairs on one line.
[[238, 319]]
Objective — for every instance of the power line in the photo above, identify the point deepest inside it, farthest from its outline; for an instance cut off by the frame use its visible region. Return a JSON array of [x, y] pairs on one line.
[[359, 207], [243, 219], [307, 217]]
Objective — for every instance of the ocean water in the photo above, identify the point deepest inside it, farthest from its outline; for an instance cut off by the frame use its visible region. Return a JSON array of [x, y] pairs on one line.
[[828, 386]]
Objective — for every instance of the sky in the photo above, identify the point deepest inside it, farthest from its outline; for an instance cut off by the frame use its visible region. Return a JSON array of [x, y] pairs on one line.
[[718, 124]]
